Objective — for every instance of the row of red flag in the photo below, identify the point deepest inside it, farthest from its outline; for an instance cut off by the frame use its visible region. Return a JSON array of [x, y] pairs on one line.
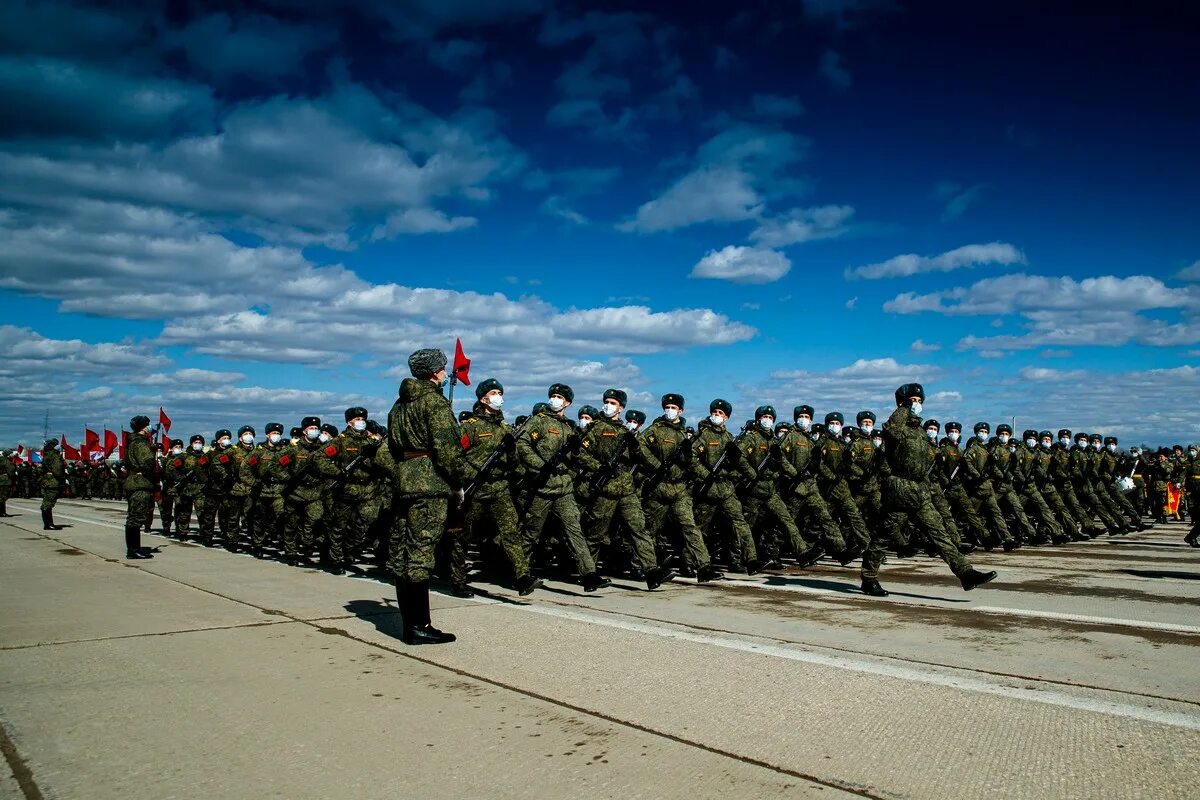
[[92, 449]]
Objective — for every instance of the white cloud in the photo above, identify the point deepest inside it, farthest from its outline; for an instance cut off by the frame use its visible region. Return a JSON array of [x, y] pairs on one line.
[[851, 303], [1045, 374], [833, 71], [742, 265], [920, 346], [421, 220], [971, 255], [1191, 273], [957, 198], [1009, 293], [803, 225], [710, 194]]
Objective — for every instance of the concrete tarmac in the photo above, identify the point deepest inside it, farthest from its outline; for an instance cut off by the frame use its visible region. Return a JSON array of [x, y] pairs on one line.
[[205, 674]]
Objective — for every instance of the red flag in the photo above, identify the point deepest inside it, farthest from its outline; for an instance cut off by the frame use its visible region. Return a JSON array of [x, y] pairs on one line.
[[20, 449], [164, 420], [91, 440], [69, 453], [461, 364], [124, 441], [110, 442]]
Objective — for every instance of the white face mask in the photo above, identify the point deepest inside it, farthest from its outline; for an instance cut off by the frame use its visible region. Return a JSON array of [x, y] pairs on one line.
[[877, 441], [1031, 442], [766, 423], [312, 433], [1082, 444], [954, 436], [495, 402], [671, 414], [176, 451], [197, 447], [247, 438], [274, 438], [324, 437], [584, 422], [916, 407], [717, 420], [834, 428], [804, 423], [1004, 437], [1065, 441], [815, 437], [360, 426], [1191, 453], [631, 425], [867, 427], [1112, 448], [611, 409], [1047, 443], [224, 441], [932, 434], [557, 403]]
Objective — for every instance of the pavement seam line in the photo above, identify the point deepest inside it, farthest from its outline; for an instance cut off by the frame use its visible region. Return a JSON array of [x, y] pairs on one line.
[[20, 769], [15, 647]]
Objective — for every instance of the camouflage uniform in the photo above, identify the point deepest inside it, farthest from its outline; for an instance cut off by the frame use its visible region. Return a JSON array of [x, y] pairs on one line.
[[1026, 484], [304, 498], [270, 476], [219, 464], [186, 477], [54, 478], [1082, 466], [354, 508], [8, 481], [140, 482], [1041, 475], [717, 496], [948, 475], [1001, 465], [976, 477], [1107, 483], [240, 500], [831, 480], [798, 486], [765, 511]]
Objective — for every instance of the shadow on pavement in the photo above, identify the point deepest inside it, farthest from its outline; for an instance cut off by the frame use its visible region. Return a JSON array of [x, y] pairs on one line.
[[1162, 573], [850, 589], [383, 615]]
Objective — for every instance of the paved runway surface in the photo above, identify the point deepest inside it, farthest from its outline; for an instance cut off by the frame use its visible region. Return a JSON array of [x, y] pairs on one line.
[[201, 674]]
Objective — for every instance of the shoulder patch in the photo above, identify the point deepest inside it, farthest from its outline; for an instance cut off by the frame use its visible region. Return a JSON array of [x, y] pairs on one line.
[[224, 459], [177, 463], [252, 460], [554, 431], [285, 460], [203, 460], [331, 450], [465, 441]]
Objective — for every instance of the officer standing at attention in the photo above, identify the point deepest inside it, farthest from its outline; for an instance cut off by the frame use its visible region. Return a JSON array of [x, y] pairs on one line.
[[139, 485]]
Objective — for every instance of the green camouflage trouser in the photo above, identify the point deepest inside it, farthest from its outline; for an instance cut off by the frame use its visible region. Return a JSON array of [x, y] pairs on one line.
[[1124, 507], [50, 497], [911, 499], [299, 532], [598, 523], [420, 523], [184, 505], [1091, 503], [484, 514], [673, 503], [139, 504], [741, 547], [809, 510], [768, 516], [1066, 491], [987, 507], [842, 503], [957, 497], [566, 511], [1010, 502], [943, 508], [1066, 522], [349, 519], [269, 513], [1038, 509]]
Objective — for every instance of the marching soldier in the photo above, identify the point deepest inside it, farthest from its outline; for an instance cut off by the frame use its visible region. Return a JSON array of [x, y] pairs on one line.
[[718, 465], [1001, 465], [8, 481], [798, 467], [977, 478], [304, 503], [354, 499], [186, 477], [1082, 468], [831, 479], [269, 476]]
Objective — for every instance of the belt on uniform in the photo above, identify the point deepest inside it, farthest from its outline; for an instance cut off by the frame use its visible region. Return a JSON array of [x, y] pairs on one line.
[[409, 455]]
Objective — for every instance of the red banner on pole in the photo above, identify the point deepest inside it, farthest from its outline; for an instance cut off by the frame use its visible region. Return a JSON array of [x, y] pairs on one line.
[[462, 364]]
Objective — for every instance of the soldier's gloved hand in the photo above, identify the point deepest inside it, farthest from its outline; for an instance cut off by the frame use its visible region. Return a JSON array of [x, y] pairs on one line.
[[460, 496]]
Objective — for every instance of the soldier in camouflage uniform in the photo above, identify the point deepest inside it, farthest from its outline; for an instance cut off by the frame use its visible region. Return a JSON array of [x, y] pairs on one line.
[[1027, 486], [1107, 483], [354, 504], [546, 452], [906, 493], [1082, 469], [241, 495], [8, 481], [666, 450], [864, 465], [424, 439], [140, 482], [1060, 476], [166, 492], [607, 453], [269, 476], [1042, 476], [302, 493], [1192, 484], [976, 476], [765, 511], [798, 486], [948, 475], [1001, 464], [187, 478], [932, 428], [831, 480], [219, 479], [54, 478], [490, 504], [715, 494]]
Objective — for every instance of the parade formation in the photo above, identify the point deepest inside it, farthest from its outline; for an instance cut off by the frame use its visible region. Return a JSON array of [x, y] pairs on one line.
[[603, 492]]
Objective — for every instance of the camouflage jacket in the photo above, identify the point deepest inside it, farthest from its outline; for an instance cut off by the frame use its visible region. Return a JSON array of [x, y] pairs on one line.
[[8, 473], [222, 470], [482, 433], [54, 474], [1039, 473], [862, 467], [540, 451], [1060, 463], [949, 459], [336, 456], [603, 440], [667, 443], [796, 454], [1081, 464], [265, 468], [1023, 478], [975, 466], [1001, 466], [185, 474], [243, 480], [141, 464], [711, 440], [299, 460], [831, 462], [759, 447], [905, 445], [424, 439]]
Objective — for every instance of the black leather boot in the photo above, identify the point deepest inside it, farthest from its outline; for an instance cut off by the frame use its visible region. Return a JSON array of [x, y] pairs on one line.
[[421, 630], [526, 585], [133, 543], [707, 573], [973, 577], [657, 577], [871, 586], [48, 521], [593, 581], [809, 557]]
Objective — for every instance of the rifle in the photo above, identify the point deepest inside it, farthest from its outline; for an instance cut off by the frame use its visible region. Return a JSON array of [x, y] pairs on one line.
[[335, 486], [507, 445], [187, 478], [730, 447], [676, 458], [533, 482], [608, 469], [950, 480], [294, 482], [749, 481]]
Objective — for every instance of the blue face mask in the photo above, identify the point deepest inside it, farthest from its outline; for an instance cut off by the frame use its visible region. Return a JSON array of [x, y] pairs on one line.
[[360, 426]]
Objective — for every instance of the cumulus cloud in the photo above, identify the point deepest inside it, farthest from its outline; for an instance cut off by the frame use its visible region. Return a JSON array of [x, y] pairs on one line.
[[868, 383], [743, 265], [971, 255], [421, 220], [920, 346], [803, 225], [833, 72], [1191, 273], [1045, 374]]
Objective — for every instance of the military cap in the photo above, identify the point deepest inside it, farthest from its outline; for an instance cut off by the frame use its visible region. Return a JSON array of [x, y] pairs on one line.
[[563, 389], [931, 423], [672, 400], [540, 407], [616, 394], [295, 431], [1064, 432], [274, 427], [374, 427], [834, 416], [764, 411], [245, 429], [981, 426], [177, 443], [485, 386], [1163, 452], [1004, 427], [330, 429], [909, 390], [1178, 448], [782, 426], [463, 416], [51, 443], [196, 438], [636, 416], [522, 419], [865, 415], [1193, 446], [1095, 437], [1029, 432], [138, 423], [309, 422], [721, 405], [1045, 435], [953, 426], [426, 362], [1110, 440], [818, 428], [589, 411], [1081, 436], [223, 432], [798, 410], [356, 411]]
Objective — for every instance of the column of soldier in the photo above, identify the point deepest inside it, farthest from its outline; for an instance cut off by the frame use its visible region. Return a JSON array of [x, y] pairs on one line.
[[632, 498]]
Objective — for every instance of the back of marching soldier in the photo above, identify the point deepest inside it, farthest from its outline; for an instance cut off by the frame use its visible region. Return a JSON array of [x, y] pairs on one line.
[[347, 465], [424, 439]]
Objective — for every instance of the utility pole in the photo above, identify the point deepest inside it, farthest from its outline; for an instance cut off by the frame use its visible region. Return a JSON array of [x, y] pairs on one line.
[[46, 426]]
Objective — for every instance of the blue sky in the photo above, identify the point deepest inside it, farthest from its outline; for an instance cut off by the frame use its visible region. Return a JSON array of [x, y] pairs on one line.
[[248, 213]]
